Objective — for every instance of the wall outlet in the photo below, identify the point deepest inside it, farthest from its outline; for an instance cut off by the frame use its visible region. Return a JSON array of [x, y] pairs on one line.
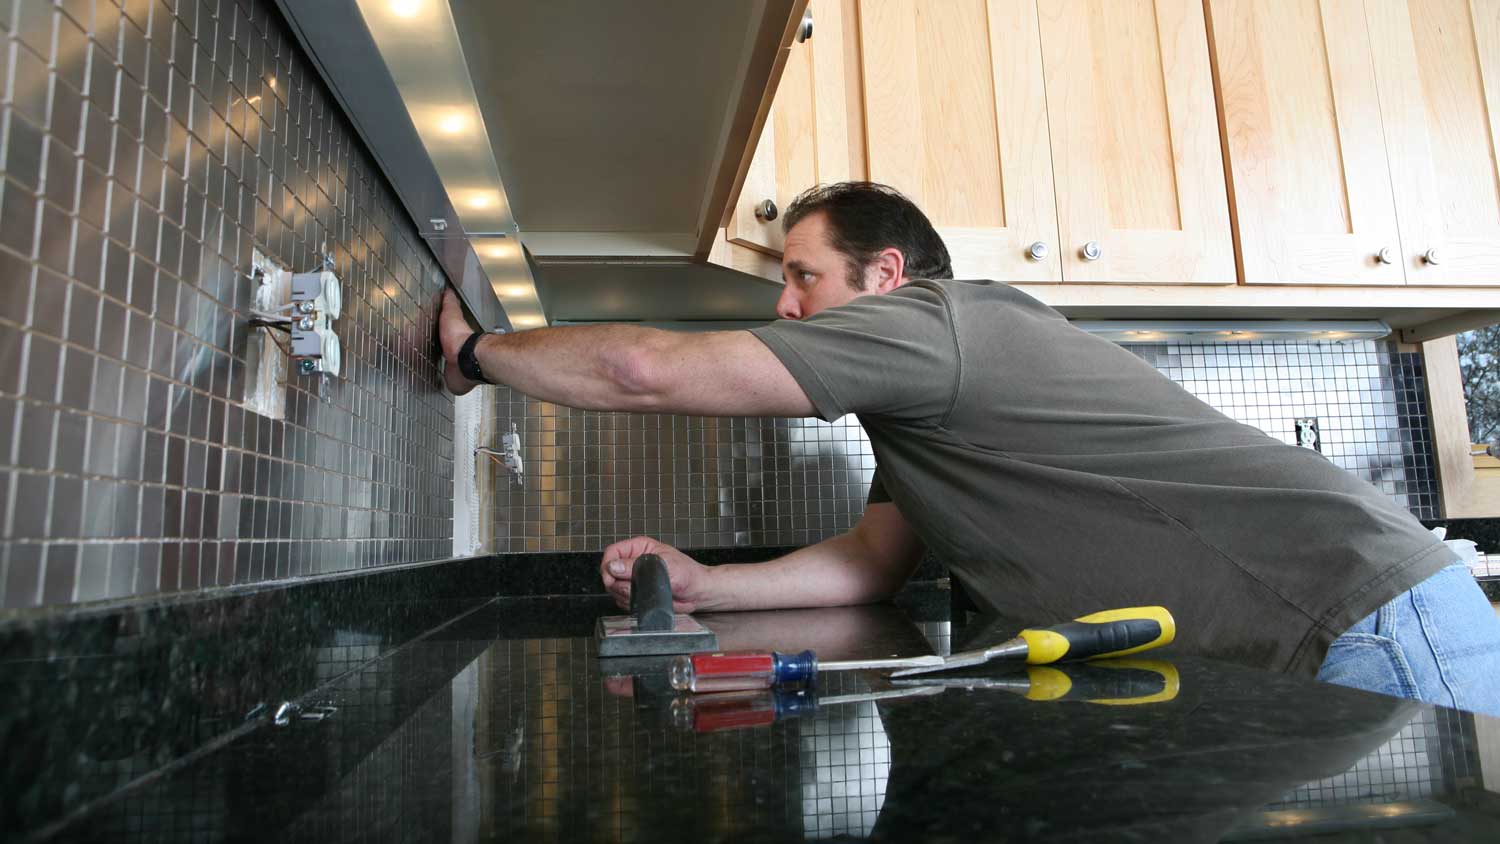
[[1307, 434]]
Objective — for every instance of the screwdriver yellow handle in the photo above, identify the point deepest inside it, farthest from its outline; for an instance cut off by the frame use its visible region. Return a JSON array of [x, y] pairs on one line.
[[1112, 682], [1101, 634]]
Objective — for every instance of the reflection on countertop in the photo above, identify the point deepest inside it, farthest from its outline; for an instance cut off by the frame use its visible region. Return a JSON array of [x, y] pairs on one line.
[[492, 719]]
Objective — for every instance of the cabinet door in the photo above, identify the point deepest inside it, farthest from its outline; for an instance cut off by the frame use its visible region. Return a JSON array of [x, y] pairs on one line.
[[1135, 138], [1437, 68], [956, 119], [806, 140], [1308, 175]]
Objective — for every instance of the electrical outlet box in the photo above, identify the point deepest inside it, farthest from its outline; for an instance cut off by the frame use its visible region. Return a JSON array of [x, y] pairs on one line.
[[1307, 434]]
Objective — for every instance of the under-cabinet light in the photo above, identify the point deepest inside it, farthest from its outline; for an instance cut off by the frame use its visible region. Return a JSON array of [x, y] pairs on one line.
[[1233, 331], [480, 199], [454, 123]]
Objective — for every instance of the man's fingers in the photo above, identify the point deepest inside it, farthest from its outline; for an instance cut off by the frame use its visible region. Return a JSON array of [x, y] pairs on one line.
[[619, 557]]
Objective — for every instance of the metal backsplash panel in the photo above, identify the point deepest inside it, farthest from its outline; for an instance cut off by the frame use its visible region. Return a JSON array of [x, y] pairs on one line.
[[1368, 397], [593, 478], [146, 151]]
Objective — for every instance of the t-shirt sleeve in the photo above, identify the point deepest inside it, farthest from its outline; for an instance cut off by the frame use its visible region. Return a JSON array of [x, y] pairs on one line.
[[878, 494], [893, 355]]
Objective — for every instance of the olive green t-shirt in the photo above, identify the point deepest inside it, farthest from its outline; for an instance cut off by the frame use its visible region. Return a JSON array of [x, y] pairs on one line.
[[1058, 474]]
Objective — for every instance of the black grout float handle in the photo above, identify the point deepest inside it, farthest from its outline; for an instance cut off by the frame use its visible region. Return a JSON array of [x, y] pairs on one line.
[[651, 594]]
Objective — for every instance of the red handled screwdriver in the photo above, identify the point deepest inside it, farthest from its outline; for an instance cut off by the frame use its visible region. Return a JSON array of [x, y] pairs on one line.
[[726, 672]]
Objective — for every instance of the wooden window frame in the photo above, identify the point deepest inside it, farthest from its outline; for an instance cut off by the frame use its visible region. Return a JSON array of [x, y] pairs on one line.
[[1470, 486]]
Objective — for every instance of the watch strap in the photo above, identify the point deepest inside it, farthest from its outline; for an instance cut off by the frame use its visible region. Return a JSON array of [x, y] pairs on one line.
[[468, 364]]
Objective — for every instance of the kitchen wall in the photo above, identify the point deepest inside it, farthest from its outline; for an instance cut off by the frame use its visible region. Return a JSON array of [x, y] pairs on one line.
[[592, 478], [144, 153]]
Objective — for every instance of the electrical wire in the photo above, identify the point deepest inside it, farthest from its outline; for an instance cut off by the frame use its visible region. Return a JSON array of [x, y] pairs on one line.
[[280, 345], [265, 323]]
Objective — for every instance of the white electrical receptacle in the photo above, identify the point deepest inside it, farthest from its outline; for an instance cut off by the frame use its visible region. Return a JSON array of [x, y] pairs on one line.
[[317, 301], [1307, 433]]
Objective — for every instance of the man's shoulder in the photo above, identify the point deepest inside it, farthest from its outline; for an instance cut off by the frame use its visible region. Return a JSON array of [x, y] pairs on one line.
[[964, 291]]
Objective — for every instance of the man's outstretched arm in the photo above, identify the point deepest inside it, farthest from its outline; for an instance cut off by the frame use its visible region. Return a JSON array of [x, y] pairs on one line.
[[630, 368], [869, 563]]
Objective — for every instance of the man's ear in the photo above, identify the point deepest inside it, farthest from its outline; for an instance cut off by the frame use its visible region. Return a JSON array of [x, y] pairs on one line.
[[888, 270]]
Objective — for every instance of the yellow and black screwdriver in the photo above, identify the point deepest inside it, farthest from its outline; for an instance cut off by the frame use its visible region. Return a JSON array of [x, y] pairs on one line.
[[1100, 635]]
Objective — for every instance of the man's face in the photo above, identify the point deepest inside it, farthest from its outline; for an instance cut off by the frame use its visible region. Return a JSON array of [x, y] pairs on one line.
[[816, 275]]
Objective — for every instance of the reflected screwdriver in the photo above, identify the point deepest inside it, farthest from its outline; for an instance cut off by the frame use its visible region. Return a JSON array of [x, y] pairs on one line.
[[750, 708], [1108, 682]]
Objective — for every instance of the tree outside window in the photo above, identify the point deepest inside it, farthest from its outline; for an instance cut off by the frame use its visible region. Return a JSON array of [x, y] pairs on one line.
[[1479, 362]]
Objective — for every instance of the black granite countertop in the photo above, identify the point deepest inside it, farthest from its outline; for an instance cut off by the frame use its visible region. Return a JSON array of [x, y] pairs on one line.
[[421, 714]]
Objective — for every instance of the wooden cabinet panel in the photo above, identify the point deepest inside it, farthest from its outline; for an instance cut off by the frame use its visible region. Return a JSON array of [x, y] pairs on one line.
[[1437, 68], [806, 139], [955, 118], [1309, 181], [1135, 140]]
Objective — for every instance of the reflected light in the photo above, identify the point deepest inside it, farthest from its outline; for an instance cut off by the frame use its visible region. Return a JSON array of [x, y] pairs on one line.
[[514, 291], [527, 320], [499, 250], [480, 199], [406, 8], [272, 82]]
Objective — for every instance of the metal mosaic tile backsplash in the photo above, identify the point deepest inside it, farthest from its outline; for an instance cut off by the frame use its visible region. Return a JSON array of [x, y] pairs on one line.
[[593, 478], [146, 152]]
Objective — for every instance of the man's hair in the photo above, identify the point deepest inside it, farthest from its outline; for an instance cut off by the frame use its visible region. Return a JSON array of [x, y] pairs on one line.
[[866, 217]]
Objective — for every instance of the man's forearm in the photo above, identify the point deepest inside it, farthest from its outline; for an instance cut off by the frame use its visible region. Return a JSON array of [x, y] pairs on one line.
[[591, 367], [835, 572]]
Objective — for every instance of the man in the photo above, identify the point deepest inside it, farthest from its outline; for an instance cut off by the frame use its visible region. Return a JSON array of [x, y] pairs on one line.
[[1054, 472]]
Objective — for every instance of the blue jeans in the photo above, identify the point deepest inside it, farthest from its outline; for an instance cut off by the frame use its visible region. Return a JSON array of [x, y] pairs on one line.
[[1437, 642]]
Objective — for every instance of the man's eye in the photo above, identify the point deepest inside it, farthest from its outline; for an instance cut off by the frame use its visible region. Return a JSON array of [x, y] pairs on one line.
[[805, 277]]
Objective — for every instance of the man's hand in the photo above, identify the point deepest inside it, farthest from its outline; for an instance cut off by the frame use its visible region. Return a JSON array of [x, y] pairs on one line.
[[453, 331], [689, 578]]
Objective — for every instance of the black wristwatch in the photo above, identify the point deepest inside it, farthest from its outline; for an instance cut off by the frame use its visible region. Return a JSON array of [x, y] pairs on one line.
[[467, 363]]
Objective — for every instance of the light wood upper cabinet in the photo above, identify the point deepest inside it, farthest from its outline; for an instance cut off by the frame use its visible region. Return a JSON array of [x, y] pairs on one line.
[[955, 118], [1135, 142], [1309, 179], [1437, 70], [807, 138]]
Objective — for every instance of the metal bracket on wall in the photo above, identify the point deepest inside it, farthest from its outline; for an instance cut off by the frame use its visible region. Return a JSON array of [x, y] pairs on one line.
[[265, 387]]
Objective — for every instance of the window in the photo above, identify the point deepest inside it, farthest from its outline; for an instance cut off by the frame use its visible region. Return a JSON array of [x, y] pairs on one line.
[[1479, 363]]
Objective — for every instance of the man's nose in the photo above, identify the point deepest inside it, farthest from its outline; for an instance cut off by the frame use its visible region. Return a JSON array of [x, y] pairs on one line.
[[788, 307]]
